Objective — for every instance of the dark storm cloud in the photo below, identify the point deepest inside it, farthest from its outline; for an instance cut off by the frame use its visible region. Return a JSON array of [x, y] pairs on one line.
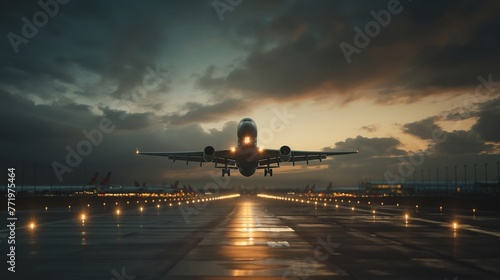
[[488, 122], [198, 113], [459, 142], [114, 40], [128, 121], [423, 129], [296, 53], [26, 122], [41, 134], [463, 142], [370, 147]]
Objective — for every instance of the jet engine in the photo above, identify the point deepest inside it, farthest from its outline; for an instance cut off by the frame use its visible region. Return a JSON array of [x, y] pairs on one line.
[[285, 153], [209, 154]]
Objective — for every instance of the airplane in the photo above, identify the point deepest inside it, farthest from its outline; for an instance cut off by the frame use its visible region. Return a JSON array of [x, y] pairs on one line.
[[247, 157], [105, 180], [93, 181]]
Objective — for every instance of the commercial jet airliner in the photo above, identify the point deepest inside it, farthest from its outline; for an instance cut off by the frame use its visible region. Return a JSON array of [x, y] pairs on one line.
[[247, 157]]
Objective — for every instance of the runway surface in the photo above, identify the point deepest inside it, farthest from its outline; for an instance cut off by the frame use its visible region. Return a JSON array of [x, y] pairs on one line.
[[255, 238]]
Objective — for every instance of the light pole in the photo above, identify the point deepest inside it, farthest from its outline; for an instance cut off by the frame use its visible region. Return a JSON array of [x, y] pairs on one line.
[[486, 174], [429, 179], [422, 178], [456, 178], [465, 176], [437, 178], [498, 176], [34, 184], [446, 179], [475, 178]]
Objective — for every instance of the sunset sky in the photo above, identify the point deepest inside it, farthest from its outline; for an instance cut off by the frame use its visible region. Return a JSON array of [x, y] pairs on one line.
[[179, 75]]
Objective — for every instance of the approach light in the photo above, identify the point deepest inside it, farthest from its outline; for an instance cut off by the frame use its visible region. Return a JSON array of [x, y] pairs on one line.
[[32, 225]]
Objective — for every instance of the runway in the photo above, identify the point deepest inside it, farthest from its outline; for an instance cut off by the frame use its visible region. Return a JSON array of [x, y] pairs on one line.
[[255, 238]]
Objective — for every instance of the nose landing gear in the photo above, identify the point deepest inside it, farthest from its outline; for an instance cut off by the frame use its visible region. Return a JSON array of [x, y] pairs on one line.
[[226, 171], [268, 171]]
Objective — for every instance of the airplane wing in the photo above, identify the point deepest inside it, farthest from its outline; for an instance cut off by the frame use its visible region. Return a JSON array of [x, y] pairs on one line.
[[271, 156], [221, 157]]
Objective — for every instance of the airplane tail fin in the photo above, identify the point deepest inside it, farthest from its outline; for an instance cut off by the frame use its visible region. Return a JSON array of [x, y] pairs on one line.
[[137, 184], [105, 180], [94, 179], [330, 187], [174, 185]]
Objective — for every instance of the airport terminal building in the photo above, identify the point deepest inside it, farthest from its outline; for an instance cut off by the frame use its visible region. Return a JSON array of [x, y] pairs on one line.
[[430, 187]]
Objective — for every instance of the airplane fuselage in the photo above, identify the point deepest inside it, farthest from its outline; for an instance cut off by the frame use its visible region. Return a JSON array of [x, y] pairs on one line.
[[246, 159]]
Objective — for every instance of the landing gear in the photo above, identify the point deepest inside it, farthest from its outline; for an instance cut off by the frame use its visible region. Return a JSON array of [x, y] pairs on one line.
[[268, 171], [226, 171]]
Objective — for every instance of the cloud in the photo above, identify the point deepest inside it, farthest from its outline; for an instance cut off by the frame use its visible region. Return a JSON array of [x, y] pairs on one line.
[[296, 54], [462, 142], [370, 147], [487, 125], [423, 129], [199, 113], [370, 128]]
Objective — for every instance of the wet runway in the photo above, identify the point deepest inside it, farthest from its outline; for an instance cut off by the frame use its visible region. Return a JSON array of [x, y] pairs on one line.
[[255, 238]]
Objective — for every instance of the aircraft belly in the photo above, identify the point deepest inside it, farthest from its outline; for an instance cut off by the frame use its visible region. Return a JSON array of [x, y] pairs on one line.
[[247, 168]]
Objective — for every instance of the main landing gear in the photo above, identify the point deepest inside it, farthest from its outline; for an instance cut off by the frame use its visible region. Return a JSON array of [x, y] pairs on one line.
[[226, 171], [268, 171]]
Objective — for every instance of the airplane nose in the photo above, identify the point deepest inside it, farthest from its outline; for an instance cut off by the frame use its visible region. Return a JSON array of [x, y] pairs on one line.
[[247, 129]]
